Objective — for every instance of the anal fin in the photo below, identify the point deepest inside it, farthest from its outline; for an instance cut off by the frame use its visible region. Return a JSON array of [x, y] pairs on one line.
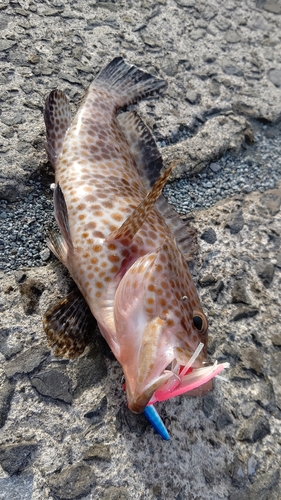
[[69, 325], [57, 245], [61, 215], [57, 116], [60, 244]]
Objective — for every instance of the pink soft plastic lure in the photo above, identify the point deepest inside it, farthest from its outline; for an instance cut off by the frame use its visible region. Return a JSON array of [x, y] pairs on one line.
[[186, 379]]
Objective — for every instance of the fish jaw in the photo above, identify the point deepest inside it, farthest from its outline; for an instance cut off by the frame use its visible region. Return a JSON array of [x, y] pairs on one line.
[[139, 398], [196, 382]]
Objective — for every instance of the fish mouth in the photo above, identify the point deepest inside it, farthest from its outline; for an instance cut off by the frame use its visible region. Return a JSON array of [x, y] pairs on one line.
[[189, 380], [178, 380], [196, 383], [138, 406], [140, 397]]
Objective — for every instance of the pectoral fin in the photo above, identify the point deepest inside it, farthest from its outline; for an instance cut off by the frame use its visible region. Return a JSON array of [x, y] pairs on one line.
[[69, 325], [134, 222]]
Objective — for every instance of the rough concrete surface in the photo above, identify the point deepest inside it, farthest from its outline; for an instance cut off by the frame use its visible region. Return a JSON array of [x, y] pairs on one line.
[[65, 430]]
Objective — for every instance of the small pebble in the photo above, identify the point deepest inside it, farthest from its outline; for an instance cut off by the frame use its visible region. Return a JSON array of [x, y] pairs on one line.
[[45, 254], [215, 167]]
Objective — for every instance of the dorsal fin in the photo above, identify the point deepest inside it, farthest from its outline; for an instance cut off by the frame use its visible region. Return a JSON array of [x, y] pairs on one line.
[[69, 325], [57, 116], [126, 83], [134, 222], [149, 163], [143, 147], [184, 234]]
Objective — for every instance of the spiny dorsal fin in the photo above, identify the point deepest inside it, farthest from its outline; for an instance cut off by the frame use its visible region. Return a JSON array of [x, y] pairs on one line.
[[134, 222], [184, 234], [142, 146], [126, 83], [61, 215], [70, 325], [57, 116], [149, 163]]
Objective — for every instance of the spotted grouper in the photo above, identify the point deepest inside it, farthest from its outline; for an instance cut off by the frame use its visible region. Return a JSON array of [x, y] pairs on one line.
[[124, 247]]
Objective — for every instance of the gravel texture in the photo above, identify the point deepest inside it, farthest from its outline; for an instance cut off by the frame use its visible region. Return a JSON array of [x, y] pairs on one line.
[[25, 224], [65, 430], [256, 167]]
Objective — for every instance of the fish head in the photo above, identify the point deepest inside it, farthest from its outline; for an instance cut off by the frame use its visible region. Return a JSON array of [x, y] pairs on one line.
[[159, 322]]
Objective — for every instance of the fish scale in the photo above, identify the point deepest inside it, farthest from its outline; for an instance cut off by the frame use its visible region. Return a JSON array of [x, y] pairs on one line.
[[122, 245]]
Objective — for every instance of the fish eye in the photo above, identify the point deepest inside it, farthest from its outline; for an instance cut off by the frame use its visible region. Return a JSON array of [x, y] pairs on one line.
[[200, 321]]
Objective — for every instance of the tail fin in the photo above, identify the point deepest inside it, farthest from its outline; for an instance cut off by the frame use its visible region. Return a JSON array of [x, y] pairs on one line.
[[127, 83]]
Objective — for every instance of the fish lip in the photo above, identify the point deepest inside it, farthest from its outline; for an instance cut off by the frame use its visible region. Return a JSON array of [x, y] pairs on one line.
[[139, 394], [137, 409], [139, 397], [137, 406]]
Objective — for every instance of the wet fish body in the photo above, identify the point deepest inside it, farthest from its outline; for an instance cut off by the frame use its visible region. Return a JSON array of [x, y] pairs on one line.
[[123, 245]]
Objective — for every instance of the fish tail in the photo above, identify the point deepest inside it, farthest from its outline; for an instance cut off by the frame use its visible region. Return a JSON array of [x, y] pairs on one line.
[[126, 83]]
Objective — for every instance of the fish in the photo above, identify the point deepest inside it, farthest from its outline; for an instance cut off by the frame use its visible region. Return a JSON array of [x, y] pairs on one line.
[[126, 249]]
